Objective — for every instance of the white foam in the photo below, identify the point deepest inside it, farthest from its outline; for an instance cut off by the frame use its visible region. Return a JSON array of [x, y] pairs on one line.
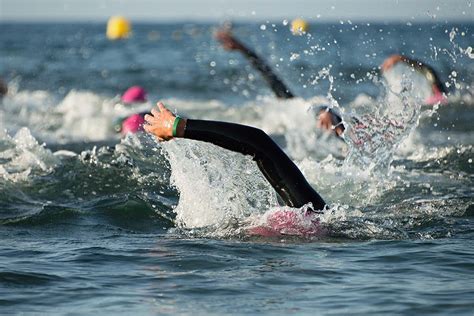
[[80, 116], [215, 185], [23, 156]]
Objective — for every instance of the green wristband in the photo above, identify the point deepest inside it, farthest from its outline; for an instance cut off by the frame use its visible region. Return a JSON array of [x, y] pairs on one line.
[[175, 125]]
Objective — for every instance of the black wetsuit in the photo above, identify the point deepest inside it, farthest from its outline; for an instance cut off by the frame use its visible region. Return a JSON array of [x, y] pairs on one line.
[[278, 169], [428, 71], [275, 83]]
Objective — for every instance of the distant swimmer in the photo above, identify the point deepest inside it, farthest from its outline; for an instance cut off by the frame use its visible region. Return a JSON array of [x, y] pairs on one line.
[[134, 94], [3, 88], [328, 119], [132, 123], [276, 167], [438, 91]]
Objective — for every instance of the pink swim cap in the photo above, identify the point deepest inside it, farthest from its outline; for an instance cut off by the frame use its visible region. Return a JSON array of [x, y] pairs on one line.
[[436, 98], [133, 124], [289, 222], [134, 94]]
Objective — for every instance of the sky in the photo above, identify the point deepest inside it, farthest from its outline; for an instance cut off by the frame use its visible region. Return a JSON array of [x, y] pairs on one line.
[[219, 10]]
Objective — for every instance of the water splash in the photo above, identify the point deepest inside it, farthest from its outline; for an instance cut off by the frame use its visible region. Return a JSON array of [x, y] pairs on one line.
[[215, 185], [81, 116], [22, 156], [375, 135]]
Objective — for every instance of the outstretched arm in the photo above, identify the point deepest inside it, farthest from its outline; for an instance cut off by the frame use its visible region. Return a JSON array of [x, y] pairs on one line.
[[429, 73], [278, 169], [229, 42]]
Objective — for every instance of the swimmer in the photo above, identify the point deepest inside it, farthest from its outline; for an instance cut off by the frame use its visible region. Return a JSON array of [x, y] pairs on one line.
[[276, 167], [438, 92], [3, 88], [133, 124], [328, 119], [135, 94]]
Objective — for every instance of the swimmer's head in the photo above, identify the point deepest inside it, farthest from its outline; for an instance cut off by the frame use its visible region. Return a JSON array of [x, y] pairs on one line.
[[329, 119], [135, 94], [132, 124]]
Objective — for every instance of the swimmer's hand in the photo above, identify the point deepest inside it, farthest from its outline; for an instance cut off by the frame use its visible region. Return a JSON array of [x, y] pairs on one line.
[[160, 123], [324, 121], [228, 41], [390, 62]]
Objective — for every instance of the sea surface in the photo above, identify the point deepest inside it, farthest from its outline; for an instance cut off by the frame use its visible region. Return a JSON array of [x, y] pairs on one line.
[[92, 222]]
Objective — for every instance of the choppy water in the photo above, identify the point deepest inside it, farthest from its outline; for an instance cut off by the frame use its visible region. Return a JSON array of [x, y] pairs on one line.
[[91, 223]]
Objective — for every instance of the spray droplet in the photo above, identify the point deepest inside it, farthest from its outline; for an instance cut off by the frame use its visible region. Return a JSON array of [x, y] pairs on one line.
[[294, 56]]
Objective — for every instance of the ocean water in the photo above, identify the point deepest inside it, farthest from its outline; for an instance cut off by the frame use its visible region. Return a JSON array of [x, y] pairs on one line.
[[92, 222]]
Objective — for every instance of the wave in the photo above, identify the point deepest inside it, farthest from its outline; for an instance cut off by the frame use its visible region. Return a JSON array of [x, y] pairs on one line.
[[86, 174], [28, 278]]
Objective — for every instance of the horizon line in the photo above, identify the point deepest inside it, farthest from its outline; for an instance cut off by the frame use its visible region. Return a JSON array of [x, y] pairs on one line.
[[237, 20]]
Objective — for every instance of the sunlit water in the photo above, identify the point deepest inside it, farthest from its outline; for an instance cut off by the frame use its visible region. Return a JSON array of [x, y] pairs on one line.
[[91, 222]]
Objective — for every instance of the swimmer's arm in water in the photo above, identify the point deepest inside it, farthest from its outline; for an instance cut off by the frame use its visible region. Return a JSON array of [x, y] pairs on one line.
[[432, 77], [275, 165], [428, 71], [229, 42]]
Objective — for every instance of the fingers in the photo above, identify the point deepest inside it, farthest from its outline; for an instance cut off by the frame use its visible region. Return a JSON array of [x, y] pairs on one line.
[[159, 122], [155, 112], [386, 66], [147, 128], [218, 35], [162, 107], [148, 118], [222, 34]]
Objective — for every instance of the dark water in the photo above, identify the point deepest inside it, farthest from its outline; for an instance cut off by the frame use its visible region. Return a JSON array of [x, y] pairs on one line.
[[91, 223]]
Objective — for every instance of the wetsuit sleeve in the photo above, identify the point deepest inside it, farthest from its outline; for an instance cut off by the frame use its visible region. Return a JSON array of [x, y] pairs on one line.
[[278, 169], [276, 84]]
